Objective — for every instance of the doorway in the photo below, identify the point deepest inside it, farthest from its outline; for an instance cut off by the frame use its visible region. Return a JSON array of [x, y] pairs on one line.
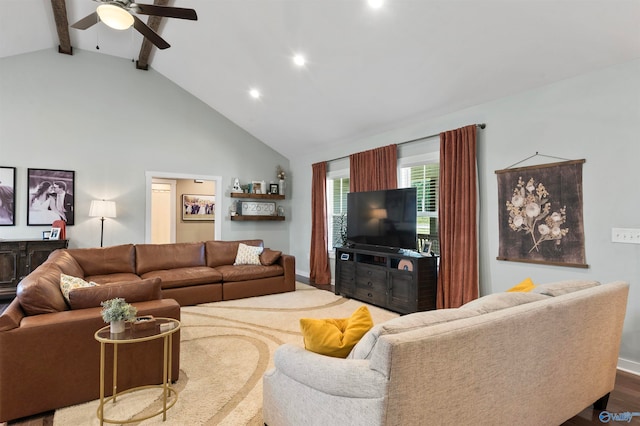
[[160, 177]]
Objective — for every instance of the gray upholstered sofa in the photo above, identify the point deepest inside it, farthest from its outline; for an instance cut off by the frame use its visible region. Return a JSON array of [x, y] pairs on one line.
[[504, 359]]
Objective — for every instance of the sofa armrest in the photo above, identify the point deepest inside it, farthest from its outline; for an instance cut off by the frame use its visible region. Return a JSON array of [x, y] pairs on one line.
[[288, 263], [11, 316], [333, 376]]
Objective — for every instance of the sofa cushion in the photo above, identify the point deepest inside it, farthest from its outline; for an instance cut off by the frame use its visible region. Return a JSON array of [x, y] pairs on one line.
[[248, 255], [406, 323], [224, 252], [498, 301], [563, 287], [113, 278], [155, 257], [524, 286], [105, 260], [249, 272], [68, 283], [67, 263], [269, 257], [335, 337], [39, 292], [184, 277], [132, 292]]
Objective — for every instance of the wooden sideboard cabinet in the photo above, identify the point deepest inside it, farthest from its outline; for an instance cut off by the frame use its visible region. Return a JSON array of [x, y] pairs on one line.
[[19, 257], [393, 281]]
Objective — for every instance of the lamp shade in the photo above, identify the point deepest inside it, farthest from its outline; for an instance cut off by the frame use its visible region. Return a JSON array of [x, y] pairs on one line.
[[102, 208], [115, 16]]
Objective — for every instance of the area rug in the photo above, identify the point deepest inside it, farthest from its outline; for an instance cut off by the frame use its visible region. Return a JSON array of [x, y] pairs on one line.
[[226, 347]]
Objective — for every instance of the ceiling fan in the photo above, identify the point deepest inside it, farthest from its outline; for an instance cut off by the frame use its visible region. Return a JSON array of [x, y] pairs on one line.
[[119, 14]]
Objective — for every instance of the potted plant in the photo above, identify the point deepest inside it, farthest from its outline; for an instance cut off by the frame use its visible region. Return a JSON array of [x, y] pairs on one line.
[[116, 312]]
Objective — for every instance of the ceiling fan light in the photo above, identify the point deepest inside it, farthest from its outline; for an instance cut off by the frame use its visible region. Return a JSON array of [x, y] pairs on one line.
[[115, 16]]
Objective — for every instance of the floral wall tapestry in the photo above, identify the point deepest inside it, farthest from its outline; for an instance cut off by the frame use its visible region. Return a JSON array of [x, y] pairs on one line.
[[540, 214]]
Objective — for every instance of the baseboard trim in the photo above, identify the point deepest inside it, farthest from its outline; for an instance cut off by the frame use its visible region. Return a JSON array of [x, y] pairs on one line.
[[629, 366]]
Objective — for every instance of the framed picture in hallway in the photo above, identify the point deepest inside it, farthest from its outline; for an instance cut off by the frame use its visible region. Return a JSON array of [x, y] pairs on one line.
[[7, 196], [198, 207], [50, 196]]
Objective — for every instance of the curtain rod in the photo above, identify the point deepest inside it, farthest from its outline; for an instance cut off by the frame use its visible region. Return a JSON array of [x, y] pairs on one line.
[[481, 126]]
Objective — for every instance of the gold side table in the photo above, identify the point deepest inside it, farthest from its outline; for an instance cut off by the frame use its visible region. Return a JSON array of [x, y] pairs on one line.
[[164, 329]]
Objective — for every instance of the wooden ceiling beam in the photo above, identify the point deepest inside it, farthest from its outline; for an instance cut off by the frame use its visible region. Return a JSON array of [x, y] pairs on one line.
[[62, 26], [145, 50]]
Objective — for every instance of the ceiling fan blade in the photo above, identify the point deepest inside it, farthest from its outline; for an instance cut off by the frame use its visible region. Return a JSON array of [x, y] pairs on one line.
[[166, 11], [86, 22], [151, 35]]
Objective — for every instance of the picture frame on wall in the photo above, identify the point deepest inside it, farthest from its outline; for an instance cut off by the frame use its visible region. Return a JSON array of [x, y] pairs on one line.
[[7, 196], [50, 196], [197, 207]]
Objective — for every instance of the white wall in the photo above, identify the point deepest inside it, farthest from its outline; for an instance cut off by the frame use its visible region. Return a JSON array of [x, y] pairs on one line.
[[99, 116], [595, 116]]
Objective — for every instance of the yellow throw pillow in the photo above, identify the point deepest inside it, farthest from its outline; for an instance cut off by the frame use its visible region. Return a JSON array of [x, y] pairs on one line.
[[335, 337], [525, 286]]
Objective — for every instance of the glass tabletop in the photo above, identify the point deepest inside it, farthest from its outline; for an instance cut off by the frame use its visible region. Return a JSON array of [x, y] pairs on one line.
[[139, 331]]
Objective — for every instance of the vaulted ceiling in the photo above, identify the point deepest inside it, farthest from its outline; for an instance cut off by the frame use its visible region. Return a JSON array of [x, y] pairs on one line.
[[368, 70]]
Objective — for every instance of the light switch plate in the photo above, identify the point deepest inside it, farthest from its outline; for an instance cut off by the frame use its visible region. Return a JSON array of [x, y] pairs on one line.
[[625, 235]]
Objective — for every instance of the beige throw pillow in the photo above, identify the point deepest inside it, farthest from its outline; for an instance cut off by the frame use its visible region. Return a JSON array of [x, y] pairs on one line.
[[68, 283], [248, 255]]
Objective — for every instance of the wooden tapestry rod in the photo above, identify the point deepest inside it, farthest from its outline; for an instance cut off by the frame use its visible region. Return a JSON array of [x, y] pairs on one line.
[[480, 126]]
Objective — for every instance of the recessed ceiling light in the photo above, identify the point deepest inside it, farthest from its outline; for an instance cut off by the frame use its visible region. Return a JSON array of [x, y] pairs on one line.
[[255, 93], [375, 4], [299, 60]]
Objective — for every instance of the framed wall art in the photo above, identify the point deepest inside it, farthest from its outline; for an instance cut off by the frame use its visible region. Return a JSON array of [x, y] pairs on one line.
[[198, 207], [540, 214], [50, 196], [7, 196]]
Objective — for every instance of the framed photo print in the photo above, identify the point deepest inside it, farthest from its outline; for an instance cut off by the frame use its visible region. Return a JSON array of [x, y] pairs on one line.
[[273, 188], [256, 187], [7, 196], [198, 207], [55, 234], [50, 196]]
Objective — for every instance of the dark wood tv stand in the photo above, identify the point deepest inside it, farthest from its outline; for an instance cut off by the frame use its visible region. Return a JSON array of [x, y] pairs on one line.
[[379, 278]]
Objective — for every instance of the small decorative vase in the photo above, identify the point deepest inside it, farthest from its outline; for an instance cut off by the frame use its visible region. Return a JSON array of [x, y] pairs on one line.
[[117, 327], [281, 187]]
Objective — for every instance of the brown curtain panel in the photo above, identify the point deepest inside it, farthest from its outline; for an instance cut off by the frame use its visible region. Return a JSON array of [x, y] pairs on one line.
[[457, 213], [374, 170], [320, 272]]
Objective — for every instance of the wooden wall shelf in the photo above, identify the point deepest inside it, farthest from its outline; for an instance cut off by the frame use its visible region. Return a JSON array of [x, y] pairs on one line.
[[257, 196], [246, 218]]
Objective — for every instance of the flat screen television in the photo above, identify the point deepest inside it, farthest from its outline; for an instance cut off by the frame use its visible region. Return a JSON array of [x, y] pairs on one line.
[[382, 219]]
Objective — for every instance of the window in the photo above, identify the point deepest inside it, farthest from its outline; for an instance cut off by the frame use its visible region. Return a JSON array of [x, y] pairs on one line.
[[424, 177], [337, 190]]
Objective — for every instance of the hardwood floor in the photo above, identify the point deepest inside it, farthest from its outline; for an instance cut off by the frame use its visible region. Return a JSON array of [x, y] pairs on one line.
[[625, 398]]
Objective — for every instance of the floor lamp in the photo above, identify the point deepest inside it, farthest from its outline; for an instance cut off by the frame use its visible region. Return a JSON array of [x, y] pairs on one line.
[[102, 209]]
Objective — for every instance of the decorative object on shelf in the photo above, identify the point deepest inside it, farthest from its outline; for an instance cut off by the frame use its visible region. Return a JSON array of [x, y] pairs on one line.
[[281, 175], [198, 207], [280, 211], [236, 186], [257, 208], [54, 234], [50, 196], [7, 196], [102, 209], [116, 312], [46, 235], [273, 188], [256, 187]]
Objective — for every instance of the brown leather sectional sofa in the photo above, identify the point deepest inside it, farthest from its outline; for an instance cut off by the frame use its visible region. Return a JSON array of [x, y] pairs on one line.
[[48, 355]]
